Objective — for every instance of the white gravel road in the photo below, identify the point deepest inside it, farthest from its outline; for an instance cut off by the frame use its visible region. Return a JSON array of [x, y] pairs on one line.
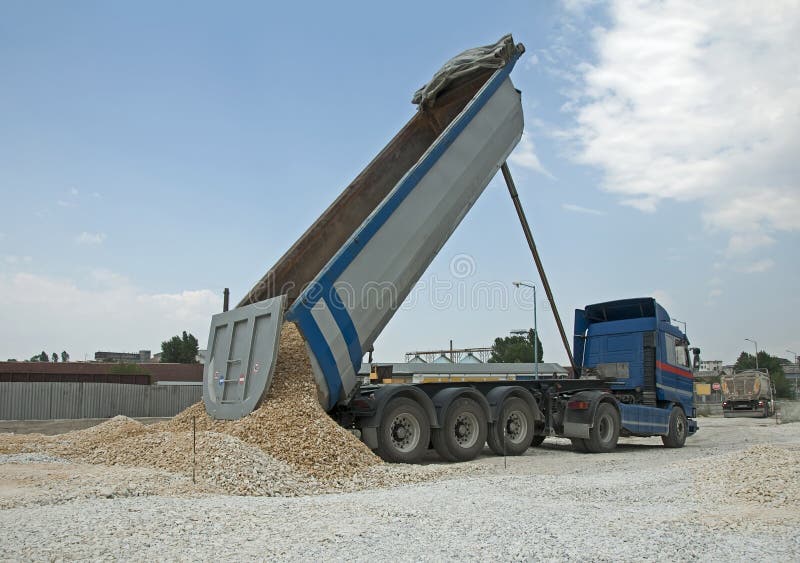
[[642, 502]]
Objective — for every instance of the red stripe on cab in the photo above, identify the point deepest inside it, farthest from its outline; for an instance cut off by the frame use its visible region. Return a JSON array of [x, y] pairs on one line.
[[676, 371]]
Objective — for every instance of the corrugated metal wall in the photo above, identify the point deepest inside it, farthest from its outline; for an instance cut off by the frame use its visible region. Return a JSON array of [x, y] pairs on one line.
[[45, 401]]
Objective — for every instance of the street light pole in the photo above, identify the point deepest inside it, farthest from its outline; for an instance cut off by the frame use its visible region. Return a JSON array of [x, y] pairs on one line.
[[756, 346], [797, 365], [535, 328]]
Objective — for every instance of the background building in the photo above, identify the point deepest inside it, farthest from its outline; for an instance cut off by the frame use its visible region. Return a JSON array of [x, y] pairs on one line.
[[126, 357]]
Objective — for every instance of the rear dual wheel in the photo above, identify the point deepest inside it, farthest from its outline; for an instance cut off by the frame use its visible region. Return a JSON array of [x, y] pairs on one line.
[[604, 433], [462, 435], [512, 433], [404, 433]]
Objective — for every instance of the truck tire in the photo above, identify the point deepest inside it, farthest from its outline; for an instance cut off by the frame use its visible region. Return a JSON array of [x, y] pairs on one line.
[[579, 445], [404, 432], [678, 428], [463, 432], [537, 440], [604, 433], [511, 434]]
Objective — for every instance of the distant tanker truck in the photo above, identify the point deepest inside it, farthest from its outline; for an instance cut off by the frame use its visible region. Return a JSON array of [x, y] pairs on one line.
[[748, 393]]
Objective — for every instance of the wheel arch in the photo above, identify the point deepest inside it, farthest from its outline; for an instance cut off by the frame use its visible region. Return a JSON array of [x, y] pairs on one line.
[[384, 395], [578, 422], [497, 396], [595, 398], [444, 398]]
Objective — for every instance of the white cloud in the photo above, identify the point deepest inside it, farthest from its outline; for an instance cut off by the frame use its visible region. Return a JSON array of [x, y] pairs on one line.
[[699, 102], [531, 61], [578, 6], [105, 312], [713, 295], [756, 266], [13, 259], [524, 156], [90, 238], [62, 203], [73, 191], [579, 209], [745, 243]]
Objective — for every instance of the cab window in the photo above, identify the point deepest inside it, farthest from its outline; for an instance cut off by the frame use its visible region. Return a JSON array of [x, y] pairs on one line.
[[677, 352], [670, 349]]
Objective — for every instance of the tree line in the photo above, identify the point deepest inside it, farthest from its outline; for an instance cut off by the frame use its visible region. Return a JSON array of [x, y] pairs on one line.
[[43, 357], [180, 349]]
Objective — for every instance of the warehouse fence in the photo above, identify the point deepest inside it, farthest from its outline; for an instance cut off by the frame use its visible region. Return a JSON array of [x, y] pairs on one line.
[[55, 400]]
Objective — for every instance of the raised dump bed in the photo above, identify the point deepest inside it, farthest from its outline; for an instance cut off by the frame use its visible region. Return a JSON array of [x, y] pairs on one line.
[[345, 277]]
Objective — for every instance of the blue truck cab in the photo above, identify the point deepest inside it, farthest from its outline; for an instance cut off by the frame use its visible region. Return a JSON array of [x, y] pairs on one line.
[[632, 346]]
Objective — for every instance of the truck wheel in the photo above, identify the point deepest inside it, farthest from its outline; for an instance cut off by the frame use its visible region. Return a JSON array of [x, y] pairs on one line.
[[511, 434], [678, 428], [579, 445], [404, 433], [603, 435], [463, 432]]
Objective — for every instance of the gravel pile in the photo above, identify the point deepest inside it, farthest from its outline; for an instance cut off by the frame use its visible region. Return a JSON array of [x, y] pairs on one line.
[[290, 425], [765, 475], [222, 462], [287, 447], [40, 480], [30, 458]]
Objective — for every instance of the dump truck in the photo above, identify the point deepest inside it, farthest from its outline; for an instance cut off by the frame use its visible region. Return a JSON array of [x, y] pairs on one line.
[[346, 276], [748, 393]]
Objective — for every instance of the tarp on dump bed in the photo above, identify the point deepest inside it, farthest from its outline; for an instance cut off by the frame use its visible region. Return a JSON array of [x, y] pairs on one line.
[[465, 64]]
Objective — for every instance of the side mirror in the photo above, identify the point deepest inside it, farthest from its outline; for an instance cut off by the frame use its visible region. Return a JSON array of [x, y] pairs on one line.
[[696, 358]]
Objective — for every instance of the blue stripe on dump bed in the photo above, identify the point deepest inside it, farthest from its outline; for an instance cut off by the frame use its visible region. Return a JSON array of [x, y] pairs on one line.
[[346, 326], [323, 288], [360, 238], [313, 335]]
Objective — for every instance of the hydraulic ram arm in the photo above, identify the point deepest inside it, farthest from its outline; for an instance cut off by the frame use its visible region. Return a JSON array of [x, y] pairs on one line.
[[532, 245]]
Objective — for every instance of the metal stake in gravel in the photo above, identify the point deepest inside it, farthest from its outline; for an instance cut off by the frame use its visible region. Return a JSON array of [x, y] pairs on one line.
[[194, 448], [505, 458]]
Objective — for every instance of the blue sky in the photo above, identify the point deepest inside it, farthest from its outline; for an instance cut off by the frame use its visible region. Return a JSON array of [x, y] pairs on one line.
[[152, 154]]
